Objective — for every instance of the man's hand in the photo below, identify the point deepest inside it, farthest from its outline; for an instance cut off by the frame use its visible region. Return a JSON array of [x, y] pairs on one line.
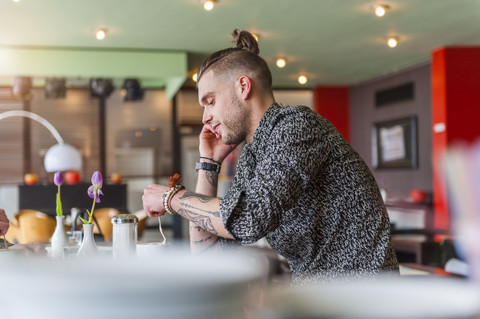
[[4, 224], [31, 249], [211, 145], [153, 200]]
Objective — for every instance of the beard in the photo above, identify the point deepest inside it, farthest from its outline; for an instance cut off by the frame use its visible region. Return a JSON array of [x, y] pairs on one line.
[[236, 124]]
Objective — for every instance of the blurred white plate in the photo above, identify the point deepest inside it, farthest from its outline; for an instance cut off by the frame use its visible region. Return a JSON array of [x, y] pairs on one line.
[[174, 285], [415, 297]]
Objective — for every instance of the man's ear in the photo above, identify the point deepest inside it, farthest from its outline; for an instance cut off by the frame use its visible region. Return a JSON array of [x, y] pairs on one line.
[[244, 86]]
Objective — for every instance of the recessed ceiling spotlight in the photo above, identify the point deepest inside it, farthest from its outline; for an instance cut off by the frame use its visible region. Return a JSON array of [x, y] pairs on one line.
[[100, 34], [392, 42], [302, 79], [380, 10], [281, 62], [194, 77], [208, 5], [16, 0]]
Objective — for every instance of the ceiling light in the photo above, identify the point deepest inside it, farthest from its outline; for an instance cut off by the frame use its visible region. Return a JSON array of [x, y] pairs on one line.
[[131, 90], [55, 88], [16, 0], [21, 87], [302, 79], [194, 77], [100, 34], [101, 87], [392, 42], [380, 10], [208, 5], [281, 62]]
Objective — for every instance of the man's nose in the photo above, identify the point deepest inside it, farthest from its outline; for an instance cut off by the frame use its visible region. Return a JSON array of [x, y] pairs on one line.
[[207, 116]]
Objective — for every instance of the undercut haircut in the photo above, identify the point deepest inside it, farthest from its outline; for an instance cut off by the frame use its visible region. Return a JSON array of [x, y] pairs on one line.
[[242, 59]]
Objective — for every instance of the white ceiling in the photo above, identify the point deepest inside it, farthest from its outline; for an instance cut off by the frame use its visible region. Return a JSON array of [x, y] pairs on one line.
[[334, 42]]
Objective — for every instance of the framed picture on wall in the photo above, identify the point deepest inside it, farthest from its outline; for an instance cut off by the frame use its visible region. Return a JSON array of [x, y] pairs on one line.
[[394, 143]]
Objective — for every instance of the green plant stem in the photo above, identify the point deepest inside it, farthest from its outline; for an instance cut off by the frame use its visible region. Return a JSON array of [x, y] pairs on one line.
[[90, 215], [59, 203]]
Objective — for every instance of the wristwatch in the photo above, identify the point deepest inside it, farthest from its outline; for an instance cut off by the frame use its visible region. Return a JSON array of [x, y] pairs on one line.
[[207, 167]]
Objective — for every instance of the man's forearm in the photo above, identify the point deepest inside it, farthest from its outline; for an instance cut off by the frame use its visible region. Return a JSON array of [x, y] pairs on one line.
[[204, 221]]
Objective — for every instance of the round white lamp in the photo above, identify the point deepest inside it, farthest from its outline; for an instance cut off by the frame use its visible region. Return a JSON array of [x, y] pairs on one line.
[[59, 157], [62, 157]]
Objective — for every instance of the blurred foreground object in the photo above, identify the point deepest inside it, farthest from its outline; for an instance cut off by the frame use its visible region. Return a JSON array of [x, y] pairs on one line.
[[461, 173], [426, 297], [173, 285]]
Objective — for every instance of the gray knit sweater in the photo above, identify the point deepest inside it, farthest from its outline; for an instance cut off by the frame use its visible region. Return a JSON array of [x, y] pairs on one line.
[[304, 188]]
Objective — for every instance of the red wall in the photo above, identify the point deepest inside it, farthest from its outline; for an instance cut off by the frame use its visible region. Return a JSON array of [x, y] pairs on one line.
[[333, 103], [456, 103]]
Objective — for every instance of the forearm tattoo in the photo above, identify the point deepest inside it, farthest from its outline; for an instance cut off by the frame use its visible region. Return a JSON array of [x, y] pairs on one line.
[[212, 178], [214, 213], [200, 197], [203, 221], [196, 227], [203, 242]]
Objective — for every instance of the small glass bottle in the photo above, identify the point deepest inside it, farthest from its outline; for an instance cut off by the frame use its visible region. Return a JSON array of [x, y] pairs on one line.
[[124, 235]]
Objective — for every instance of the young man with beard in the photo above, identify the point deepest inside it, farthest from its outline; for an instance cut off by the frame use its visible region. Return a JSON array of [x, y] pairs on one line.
[[298, 182]]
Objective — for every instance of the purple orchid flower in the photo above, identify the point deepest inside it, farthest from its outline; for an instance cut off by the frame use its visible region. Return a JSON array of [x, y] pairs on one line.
[[91, 192], [58, 178], [97, 179], [94, 191]]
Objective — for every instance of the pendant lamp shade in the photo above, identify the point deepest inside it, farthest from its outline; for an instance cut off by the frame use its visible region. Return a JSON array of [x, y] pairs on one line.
[[62, 157]]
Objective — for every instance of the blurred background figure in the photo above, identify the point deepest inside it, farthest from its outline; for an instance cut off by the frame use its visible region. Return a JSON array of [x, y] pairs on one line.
[[3, 223]]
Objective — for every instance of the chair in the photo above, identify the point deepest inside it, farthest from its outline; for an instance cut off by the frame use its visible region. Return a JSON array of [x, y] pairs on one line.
[[104, 219], [30, 226]]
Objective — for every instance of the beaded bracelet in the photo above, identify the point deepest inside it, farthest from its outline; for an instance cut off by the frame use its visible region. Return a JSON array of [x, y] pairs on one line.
[[168, 195], [211, 159]]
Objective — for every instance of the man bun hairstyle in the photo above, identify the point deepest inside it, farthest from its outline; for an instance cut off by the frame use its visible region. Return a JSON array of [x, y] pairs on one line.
[[245, 40], [243, 58]]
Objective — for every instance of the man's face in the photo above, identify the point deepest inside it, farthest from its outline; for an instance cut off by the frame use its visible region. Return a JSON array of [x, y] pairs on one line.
[[224, 113]]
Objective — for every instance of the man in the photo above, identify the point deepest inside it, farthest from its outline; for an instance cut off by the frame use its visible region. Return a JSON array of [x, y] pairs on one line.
[[4, 224], [298, 182]]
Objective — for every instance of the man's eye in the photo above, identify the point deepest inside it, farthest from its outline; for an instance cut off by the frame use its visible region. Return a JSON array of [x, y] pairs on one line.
[[211, 102]]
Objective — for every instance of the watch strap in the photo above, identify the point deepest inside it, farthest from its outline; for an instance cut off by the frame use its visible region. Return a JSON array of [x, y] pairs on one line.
[[207, 167]]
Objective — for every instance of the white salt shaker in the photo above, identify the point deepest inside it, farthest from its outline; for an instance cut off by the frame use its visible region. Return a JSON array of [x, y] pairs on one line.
[[124, 235]]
